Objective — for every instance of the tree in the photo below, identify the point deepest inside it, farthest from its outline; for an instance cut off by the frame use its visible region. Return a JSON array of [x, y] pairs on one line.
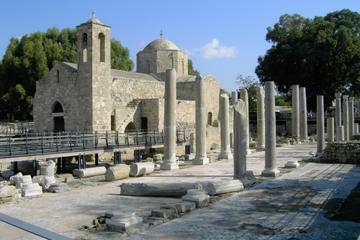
[[191, 69], [249, 83], [30, 57], [321, 54]]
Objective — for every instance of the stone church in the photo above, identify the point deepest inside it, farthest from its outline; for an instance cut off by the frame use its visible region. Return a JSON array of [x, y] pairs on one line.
[[89, 95]]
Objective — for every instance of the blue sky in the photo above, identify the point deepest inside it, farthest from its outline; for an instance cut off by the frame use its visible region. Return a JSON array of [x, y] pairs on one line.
[[224, 38]]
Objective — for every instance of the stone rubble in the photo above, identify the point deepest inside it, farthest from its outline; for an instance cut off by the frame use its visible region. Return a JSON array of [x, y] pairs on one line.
[[198, 196]]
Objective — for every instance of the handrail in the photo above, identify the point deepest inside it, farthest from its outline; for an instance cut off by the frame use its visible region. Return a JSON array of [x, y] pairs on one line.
[[31, 144]]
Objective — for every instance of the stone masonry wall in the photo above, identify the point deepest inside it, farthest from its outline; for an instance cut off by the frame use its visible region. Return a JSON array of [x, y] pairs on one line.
[[48, 91], [343, 152]]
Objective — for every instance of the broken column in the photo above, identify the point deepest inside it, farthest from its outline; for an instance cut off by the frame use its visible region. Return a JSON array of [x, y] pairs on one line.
[[339, 133], [356, 129], [351, 117], [295, 113], [200, 121], [260, 124], [169, 162], [338, 110], [244, 96], [330, 129], [346, 118], [303, 115], [234, 97], [225, 135], [270, 131], [240, 132], [320, 124]]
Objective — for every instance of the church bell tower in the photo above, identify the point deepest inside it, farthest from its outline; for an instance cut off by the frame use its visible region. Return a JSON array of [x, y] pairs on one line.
[[94, 74]]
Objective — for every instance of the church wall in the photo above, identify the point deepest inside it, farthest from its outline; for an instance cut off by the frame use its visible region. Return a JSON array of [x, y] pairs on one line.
[[48, 91]]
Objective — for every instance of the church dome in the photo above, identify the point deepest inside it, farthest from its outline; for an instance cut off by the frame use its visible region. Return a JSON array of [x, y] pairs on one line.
[[161, 44]]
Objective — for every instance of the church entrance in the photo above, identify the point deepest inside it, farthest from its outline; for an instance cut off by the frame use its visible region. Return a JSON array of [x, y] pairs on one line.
[[59, 124], [58, 116]]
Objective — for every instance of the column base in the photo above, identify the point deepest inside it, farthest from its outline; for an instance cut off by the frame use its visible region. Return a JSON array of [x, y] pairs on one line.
[[248, 178], [226, 155], [270, 172], [169, 166], [292, 164], [200, 160], [260, 148]]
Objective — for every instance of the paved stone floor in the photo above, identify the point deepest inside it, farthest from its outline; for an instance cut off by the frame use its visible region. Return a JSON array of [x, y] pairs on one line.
[[290, 205]]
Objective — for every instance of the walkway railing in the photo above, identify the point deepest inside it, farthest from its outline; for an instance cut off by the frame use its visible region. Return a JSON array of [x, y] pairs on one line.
[[47, 143]]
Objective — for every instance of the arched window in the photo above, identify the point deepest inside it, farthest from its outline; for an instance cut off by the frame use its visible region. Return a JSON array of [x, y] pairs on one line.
[[57, 108], [84, 45], [57, 76], [130, 127], [102, 47], [209, 122]]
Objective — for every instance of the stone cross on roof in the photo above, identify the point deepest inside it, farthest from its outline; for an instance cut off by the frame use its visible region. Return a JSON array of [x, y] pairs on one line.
[[161, 34], [93, 14]]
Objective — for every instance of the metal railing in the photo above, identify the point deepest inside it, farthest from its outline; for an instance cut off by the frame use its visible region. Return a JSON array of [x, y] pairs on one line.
[[46, 143]]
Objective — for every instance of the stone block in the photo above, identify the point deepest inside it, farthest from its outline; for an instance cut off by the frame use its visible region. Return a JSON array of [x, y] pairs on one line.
[[221, 187], [176, 189], [20, 181], [141, 169], [89, 172], [44, 181], [15, 178], [47, 168], [185, 207], [7, 191], [158, 157], [58, 188], [167, 213], [190, 157], [123, 223], [117, 172], [31, 190], [198, 196]]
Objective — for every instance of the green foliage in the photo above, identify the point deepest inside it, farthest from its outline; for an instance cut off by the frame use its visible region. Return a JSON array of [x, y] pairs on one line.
[[30, 57], [321, 54], [191, 69], [120, 57], [249, 83], [280, 100]]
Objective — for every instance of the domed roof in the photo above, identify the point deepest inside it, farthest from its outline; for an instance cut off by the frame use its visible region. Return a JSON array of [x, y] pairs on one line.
[[161, 44]]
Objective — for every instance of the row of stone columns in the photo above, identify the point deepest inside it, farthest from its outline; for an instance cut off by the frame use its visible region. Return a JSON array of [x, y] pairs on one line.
[[299, 129], [344, 118], [266, 125]]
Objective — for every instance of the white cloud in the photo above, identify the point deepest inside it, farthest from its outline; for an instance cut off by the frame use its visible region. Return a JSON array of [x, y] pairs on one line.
[[213, 49]]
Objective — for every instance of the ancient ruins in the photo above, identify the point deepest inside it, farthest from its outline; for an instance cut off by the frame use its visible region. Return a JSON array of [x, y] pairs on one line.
[[116, 154]]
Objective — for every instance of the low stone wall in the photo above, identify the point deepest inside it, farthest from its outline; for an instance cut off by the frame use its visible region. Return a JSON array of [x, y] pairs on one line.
[[343, 152]]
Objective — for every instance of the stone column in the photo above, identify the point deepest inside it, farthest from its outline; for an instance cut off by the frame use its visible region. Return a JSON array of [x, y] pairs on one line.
[[244, 96], [295, 112], [169, 162], [234, 97], [270, 132], [320, 124], [346, 118], [240, 145], [330, 129], [356, 129], [339, 133], [303, 115], [260, 124], [200, 122], [338, 110], [351, 117], [224, 130], [192, 142]]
